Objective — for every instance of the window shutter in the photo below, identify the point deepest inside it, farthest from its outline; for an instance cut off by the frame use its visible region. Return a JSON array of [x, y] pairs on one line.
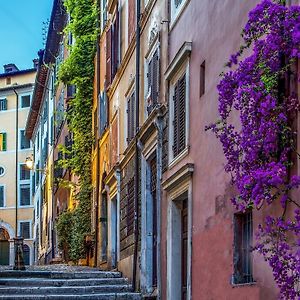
[[128, 119], [1, 196], [155, 78], [133, 124], [130, 207], [175, 120], [108, 57], [182, 114], [25, 230], [179, 122], [4, 141]]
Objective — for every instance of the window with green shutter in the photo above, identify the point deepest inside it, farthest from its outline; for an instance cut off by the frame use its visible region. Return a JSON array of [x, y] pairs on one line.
[[3, 141]]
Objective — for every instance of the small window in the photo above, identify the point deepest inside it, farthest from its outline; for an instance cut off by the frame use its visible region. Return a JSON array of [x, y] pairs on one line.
[[25, 142], [25, 230], [2, 171], [242, 259], [3, 139], [24, 172], [152, 81], [202, 79], [24, 194], [8, 80], [25, 101], [176, 8], [2, 191], [3, 104], [131, 123]]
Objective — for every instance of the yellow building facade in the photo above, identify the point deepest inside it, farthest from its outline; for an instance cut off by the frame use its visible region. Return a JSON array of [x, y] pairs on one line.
[[16, 207]]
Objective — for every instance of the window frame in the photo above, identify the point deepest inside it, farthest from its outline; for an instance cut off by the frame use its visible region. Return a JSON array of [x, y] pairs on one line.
[[3, 103], [183, 69], [148, 58], [30, 228], [25, 183], [4, 171], [20, 172], [175, 12], [4, 196], [20, 139], [129, 95], [21, 101]]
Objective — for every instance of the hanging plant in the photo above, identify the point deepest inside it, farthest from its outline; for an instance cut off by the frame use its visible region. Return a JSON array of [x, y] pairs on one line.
[[259, 150]]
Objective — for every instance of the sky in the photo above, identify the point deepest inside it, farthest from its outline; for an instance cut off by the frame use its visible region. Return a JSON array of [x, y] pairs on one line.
[[21, 30]]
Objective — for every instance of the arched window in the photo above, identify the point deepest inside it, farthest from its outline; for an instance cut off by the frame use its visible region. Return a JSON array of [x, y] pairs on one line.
[[26, 254]]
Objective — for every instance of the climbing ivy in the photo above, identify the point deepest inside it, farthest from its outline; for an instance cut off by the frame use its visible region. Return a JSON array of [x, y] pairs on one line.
[[78, 70]]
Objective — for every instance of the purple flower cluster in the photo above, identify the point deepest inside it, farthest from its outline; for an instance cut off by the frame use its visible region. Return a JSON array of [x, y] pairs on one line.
[[258, 153], [282, 253]]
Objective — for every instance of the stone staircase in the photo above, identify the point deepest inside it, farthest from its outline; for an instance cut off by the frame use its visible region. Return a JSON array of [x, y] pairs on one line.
[[59, 285]]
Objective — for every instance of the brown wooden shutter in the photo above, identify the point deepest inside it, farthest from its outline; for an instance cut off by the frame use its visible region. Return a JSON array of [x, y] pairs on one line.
[[179, 122], [133, 125], [182, 114], [128, 119], [155, 78], [131, 19], [130, 207], [108, 57]]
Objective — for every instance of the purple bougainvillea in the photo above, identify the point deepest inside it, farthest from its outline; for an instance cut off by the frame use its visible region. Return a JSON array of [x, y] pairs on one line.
[[258, 151]]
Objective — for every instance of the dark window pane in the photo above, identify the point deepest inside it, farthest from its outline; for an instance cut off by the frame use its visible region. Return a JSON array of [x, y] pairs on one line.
[[25, 101], [1, 196], [25, 194], [24, 173], [25, 142], [25, 230]]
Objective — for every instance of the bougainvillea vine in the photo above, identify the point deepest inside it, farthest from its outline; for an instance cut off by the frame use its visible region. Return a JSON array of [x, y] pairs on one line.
[[260, 150]]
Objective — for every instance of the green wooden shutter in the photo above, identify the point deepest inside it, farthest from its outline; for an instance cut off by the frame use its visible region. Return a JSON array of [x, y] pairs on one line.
[[4, 141]]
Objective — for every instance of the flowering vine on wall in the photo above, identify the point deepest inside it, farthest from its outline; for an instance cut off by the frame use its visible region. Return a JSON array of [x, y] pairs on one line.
[[261, 150]]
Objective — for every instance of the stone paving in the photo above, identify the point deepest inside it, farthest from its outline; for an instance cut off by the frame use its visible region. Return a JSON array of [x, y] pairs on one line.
[[57, 267]]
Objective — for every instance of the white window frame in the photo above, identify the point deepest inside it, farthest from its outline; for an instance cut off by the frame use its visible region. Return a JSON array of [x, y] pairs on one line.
[[20, 102], [20, 138], [30, 228], [4, 98], [155, 46], [184, 69], [4, 196], [175, 12], [24, 182]]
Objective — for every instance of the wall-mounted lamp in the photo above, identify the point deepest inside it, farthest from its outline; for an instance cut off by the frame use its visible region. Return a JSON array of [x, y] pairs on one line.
[[30, 165]]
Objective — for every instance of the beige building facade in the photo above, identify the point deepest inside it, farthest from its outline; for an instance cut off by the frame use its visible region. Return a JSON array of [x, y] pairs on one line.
[[16, 207]]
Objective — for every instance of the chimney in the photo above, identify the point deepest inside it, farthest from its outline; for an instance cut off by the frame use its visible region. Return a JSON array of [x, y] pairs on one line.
[[35, 63], [10, 68]]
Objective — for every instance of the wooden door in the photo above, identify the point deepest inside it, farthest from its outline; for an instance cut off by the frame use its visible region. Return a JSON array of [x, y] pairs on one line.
[[184, 249], [4, 253]]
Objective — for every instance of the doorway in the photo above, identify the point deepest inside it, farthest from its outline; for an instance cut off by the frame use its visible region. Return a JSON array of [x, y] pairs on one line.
[[114, 232], [4, 247]]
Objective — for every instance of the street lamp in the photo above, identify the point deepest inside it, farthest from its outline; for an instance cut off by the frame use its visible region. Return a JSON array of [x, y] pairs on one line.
[[18, 241]]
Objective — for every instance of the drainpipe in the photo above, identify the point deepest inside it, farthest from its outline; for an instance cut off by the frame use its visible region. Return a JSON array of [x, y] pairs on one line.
[[136, 177], [97, 147], [159, 127]]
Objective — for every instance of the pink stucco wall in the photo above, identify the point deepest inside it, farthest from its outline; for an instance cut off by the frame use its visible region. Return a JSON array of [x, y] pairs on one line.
[[214, 29]]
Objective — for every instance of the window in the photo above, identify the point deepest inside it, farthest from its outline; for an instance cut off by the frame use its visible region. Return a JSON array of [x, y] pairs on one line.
[[3, 104], [242, 259], [179, 119], [26, 254], [24, 172], [152, 89], [103, 13], [25, 194], [25, 142], [103, 112], [176, 7], [3, 142], [202, 79], [25, 230], [2, 196], [131, 126], [8, 80], [25, 101], [2, 171]]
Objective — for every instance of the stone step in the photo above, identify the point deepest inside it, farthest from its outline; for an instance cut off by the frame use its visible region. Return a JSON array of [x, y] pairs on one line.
[[98, 296], [77, 290], [38, 282], [59, 274]]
